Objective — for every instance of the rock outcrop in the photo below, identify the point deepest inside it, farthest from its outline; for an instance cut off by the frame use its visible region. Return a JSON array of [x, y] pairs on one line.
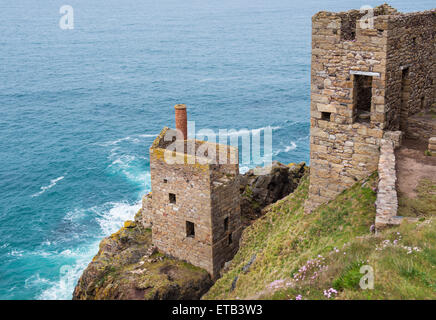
[[259, 191], [128, 267]]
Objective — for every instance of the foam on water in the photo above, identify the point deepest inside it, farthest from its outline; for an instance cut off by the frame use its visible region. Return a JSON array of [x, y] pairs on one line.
[[51, 185], [16, 253], [69, 274], [243, 132], [135, 139], [110, 221], [292, 146], [110, 217]]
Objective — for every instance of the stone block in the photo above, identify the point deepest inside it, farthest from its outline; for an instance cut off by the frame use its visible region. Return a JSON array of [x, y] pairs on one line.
[[326, 107]]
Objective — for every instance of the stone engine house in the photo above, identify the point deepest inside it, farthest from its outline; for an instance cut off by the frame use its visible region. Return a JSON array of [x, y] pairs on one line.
[[194, 210], [366, 80]]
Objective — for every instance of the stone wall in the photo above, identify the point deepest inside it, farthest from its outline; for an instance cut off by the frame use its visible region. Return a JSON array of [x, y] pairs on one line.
[[419, 127], [146, 211], [387, 200], [195, 208], [344, 149], [387, 196], [410, 67], [226, 220], [191, 186], [340, 156], [354, 91]]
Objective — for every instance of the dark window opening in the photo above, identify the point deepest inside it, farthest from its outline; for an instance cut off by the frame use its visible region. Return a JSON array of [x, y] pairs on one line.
[[172, 198], [226, 224], [230, 239], [325, 116], [165, 181], [190, 229], [362, 98], [348, 27]]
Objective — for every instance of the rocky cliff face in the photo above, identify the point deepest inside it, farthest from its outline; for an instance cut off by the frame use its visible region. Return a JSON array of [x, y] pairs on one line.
[[129, 267], [259, 191]]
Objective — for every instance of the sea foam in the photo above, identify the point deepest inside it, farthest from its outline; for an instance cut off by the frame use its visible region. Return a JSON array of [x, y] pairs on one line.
[[51, 185]]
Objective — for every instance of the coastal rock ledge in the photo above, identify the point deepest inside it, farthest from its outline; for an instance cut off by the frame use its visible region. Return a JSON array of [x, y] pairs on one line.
[[128, 266]]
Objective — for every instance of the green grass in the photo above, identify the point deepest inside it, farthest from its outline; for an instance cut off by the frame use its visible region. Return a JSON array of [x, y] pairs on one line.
[[332, 244]]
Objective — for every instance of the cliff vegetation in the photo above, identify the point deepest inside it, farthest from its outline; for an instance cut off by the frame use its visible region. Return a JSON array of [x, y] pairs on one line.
[[287, 254], [284, 254]]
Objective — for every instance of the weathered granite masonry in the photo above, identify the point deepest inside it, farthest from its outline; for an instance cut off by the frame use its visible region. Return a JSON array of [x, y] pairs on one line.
[[194, 209], [364, 81], [387, 198], [421, 127]]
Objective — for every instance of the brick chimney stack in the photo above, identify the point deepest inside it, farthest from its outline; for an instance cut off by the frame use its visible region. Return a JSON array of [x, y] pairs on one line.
[[182, 120]]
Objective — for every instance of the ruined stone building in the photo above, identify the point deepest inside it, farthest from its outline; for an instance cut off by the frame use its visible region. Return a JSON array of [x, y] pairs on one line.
[[366, 81], [194, 210]]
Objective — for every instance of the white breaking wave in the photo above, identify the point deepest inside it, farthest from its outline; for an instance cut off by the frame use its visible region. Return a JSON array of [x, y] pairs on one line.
[[241, 132], [288, 148], [243, 169], [110, 221], [110, 217], [135, 139], [62, 289], [123, 163], [51, 185], [147, 135], [4, 245], [293, 146], [16, 253], [115, 142]]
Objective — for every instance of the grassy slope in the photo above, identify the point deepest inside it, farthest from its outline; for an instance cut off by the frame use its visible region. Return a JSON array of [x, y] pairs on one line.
[[298, 254]]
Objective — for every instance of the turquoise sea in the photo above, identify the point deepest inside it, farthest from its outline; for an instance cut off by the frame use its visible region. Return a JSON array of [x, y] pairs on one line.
[[79, 109]]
